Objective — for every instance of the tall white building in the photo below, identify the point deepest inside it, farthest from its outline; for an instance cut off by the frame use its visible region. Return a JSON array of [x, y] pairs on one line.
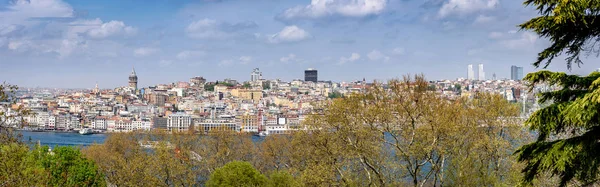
[[255, 75], [481, 73], [179, 122], [470, 72]]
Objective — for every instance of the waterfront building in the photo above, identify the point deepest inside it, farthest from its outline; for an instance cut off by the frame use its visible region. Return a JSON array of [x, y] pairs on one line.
[[206, 125], [247, 122], [179, 121]]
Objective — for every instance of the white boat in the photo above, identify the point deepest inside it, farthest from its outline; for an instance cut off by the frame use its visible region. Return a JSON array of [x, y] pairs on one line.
[[263, 133], [86, 131]]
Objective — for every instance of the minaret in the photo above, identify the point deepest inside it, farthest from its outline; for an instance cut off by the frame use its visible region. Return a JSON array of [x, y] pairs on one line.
[[133, 80], [96, 89]]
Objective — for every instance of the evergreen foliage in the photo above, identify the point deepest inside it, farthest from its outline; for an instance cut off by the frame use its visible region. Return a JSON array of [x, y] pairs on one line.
[[567, 143]]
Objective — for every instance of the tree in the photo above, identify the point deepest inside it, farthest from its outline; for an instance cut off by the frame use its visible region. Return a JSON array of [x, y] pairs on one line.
[[209, 87], [236, 173], [282, 179], [266, 86], [567, 144], [571, 26], [64, 166], [458, 88], [11, 114], [68, 167], [247, 85], [335, 94]]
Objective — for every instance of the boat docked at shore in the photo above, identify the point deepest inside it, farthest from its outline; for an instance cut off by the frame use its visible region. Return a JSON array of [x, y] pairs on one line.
[[86, 131]]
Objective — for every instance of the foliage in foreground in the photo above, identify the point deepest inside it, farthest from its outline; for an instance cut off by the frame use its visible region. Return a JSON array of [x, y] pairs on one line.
[[64, 166], [236, 173], [567, 145], [401, 136]]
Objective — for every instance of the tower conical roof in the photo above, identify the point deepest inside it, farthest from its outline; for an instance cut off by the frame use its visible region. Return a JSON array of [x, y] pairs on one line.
[[132, 73]]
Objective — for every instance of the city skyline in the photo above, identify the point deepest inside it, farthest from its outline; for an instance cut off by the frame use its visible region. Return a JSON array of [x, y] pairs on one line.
[[74, 44]]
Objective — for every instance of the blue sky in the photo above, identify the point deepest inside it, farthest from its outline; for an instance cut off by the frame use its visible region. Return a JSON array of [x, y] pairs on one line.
[[74, 43]]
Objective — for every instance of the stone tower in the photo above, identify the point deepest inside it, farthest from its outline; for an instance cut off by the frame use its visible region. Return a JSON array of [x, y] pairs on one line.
[[133, 79]]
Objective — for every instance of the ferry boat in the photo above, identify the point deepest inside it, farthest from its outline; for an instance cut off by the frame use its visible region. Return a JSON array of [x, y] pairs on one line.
[[262, 133], [86, 131]]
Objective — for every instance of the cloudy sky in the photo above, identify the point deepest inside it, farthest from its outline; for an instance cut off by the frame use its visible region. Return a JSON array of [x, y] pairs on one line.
[[75, 43]]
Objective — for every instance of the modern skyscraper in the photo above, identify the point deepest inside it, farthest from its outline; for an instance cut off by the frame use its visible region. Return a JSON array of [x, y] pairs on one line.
[[481, 73], [311, 75], [516, 73], [470, 72], [133, 79], [255, 75]]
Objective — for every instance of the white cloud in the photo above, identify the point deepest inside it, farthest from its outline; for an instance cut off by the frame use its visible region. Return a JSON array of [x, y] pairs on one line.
[[398, 51], [525, 41], [226, 62], [462, 7], [290, 34], [245, 59], [376, 55], [68, 46], [111, 28], [495, 35], [213, 29], [98, 29], [21, 11], [348, 8], [290, 58], [206, 28], [472, 52], [144, 51], [165, 63], [185, 55], [483, 19], [353, 57], [9, 29]]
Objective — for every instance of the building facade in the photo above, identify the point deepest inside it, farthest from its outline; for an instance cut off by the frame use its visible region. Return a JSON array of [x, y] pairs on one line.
[[133, 80], [179, 122], [516, 73], [311, 75], [255, 75], [470, 72], [481, 73]]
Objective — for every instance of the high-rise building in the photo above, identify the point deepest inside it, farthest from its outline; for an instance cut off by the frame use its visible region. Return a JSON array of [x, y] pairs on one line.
[[133, 79], [470, 72], [516, 73], [481, 73], [311, 75], [255, 75]]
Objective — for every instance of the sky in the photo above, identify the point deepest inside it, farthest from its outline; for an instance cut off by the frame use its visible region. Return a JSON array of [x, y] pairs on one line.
[[76, 44]]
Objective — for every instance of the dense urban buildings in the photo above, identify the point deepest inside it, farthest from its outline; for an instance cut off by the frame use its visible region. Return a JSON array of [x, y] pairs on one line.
[[258, 105], [310, 75], [516, 73]]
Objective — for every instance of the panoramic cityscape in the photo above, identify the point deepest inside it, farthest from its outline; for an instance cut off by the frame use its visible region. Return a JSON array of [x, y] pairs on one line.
[[299, 93]]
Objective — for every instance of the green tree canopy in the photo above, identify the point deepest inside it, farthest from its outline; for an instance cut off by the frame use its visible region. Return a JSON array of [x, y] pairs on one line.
[[571, 26], [567, 145], [236, 173]]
